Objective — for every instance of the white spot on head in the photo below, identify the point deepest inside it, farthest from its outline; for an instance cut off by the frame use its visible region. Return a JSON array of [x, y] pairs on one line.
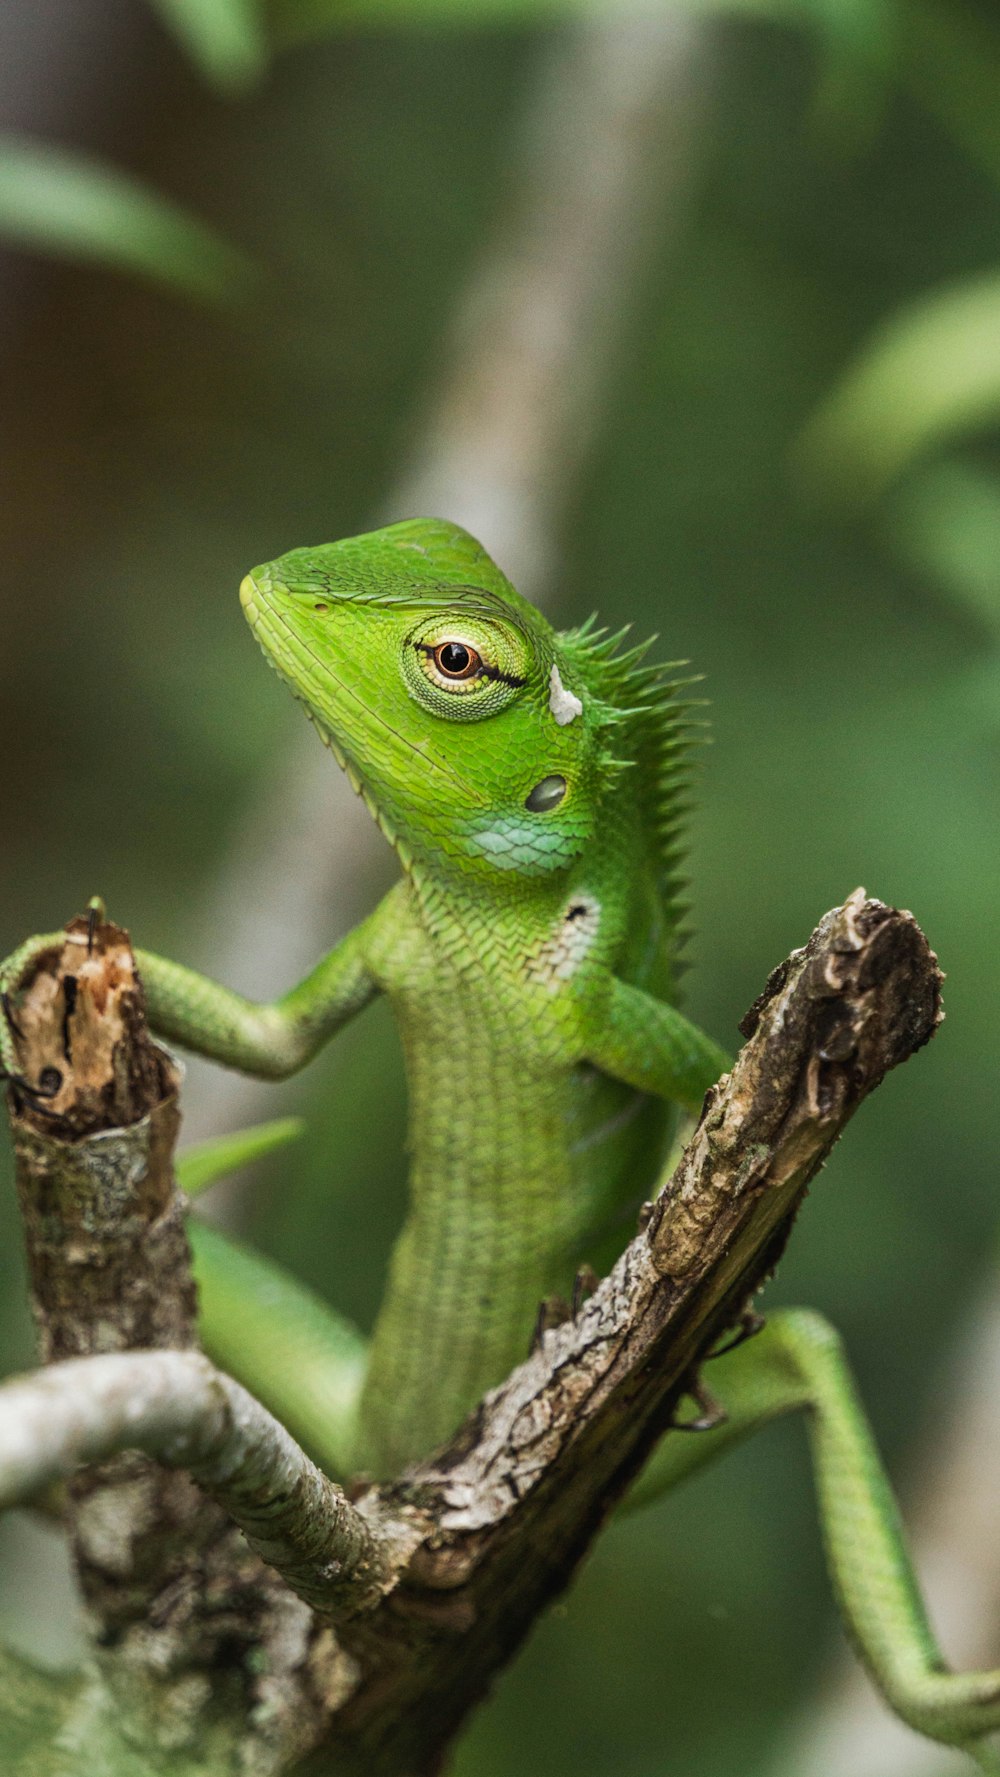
[[562, 703]]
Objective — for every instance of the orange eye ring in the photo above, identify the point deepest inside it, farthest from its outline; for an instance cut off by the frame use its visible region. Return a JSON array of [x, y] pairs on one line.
[[458, 668], [456, 660]]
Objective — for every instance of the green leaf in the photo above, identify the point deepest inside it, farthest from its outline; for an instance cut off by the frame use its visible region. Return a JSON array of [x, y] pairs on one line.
[[946, 523], [224, 38], [929, 374], [201, 1165], [67, 204]]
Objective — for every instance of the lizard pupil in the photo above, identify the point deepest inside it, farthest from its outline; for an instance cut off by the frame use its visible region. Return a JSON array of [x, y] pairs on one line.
[[456, 661]]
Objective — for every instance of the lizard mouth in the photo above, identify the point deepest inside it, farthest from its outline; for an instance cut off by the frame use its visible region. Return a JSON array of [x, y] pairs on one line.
[[248, 599]]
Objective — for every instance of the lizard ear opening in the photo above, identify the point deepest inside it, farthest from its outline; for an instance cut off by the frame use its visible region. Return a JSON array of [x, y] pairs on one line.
[[546, 795]]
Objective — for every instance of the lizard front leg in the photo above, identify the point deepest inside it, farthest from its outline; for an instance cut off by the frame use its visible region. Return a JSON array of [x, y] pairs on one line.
[[270, 1040], [650, 1045]]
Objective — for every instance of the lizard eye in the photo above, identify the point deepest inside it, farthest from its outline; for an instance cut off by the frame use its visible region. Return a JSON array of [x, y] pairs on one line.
[[454, 666], [455, 660], [462, 670]]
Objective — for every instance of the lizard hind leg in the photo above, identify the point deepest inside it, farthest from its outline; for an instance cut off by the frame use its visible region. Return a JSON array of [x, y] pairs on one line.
[[296, 1354], [797, 1363]]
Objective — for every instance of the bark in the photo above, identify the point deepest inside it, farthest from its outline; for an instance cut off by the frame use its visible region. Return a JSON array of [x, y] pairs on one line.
[[176, 1406], [171, 1590], [460, 1555], [502, 1519]]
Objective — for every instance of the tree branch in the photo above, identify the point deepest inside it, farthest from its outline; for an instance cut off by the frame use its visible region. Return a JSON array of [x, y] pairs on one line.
[[176, 1406], [436, 1578], [499, 1521], [170, 1589]]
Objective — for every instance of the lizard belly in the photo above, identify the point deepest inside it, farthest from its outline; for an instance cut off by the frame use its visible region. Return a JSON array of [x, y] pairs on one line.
[[524, 1163], [490, 1224], [516, 1161]]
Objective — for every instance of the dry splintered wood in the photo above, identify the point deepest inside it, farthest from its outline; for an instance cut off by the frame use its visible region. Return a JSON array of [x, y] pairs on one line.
[[478, 1539], [82, 1037], [107, 1254], [183, 1616]]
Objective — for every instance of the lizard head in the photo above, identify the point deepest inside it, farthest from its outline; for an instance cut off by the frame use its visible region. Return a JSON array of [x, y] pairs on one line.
[[451, 703]]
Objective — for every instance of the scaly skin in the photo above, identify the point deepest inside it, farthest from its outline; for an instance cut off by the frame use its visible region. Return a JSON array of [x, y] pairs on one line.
[[531, 785], [512, 951], [501, 948]]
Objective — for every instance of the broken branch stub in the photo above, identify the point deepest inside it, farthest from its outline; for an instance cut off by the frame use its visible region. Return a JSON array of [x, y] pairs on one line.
[[81, 1022], [107, 1254], [863, 995], [171, 1590]]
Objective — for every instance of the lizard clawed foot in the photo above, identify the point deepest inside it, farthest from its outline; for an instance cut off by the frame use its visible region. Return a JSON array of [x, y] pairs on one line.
[[712, 1414], [14, 971], [748, 1326], [9, 1013], [10, 1034]]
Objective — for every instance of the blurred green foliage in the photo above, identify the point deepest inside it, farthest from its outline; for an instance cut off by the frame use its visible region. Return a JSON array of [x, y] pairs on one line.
[[201, 1164], [931, 372], [153, 449], [71, 205], [226, 38]]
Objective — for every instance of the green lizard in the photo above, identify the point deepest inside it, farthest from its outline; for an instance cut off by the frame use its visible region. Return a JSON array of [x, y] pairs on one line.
[[532, 786]]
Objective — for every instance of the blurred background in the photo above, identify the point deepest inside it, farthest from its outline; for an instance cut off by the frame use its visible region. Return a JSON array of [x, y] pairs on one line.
[[693, 312]]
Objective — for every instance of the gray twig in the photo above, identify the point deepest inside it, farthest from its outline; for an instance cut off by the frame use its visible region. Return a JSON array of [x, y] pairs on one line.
[[176, 1406]]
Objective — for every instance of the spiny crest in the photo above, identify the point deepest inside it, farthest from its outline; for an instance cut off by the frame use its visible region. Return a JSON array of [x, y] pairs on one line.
[[652, 726]]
